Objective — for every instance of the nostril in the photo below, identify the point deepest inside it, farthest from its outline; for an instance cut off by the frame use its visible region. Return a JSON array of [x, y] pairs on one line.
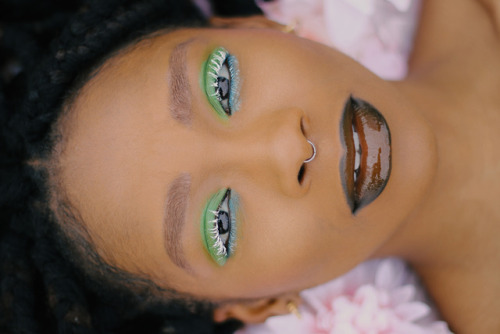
[[302, 126], [300, 176]]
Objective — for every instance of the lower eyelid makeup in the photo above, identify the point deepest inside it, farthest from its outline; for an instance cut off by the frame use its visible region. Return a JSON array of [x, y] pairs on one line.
[[234, 98], [218, 226]]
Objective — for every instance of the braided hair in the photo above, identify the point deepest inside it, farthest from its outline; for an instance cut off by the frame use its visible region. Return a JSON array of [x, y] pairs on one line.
[[51, 278]]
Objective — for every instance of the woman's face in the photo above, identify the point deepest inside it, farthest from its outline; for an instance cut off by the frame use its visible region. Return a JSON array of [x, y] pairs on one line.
[[150, 157]]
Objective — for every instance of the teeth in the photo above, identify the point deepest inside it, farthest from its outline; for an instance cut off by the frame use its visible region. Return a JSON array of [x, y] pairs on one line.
[[357, 158]]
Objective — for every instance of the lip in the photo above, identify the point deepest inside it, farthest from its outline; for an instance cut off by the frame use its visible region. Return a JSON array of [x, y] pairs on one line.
[[375, 162]]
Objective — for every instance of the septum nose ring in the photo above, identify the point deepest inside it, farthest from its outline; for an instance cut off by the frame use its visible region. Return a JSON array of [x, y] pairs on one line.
[[314, 152]]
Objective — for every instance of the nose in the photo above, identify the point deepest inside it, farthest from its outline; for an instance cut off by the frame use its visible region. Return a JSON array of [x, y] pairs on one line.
[[271, 149]]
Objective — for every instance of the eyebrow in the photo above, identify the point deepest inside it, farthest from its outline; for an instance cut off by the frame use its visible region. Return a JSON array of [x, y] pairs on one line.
[[180, 90], [173, 223]]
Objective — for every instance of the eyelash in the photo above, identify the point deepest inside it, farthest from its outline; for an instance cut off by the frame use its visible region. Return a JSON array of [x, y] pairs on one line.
[[226, 202], [215, 69]]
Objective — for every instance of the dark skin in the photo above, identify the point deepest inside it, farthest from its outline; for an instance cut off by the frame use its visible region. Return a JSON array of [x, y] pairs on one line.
[[455, 76], [444, 121]]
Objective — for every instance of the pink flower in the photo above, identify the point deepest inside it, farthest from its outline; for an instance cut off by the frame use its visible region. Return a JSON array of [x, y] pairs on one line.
[[377, 297], [307, 17], [377, 33]]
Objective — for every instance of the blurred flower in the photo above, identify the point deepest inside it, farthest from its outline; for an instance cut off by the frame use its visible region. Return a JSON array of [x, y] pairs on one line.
[[377, 297], [377, 33]]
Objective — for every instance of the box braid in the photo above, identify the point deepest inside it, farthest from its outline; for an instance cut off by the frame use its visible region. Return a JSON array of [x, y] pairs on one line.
[[48, 49]]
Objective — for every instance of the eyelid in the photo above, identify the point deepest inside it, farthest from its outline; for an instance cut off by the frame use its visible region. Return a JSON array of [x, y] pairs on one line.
[[205, 228], [209, 232], [210, 72]]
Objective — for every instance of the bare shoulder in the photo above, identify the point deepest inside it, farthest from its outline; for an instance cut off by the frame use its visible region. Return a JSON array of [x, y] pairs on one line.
[[451, 28]]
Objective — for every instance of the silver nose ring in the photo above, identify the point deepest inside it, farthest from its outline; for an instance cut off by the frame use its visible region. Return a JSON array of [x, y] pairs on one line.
[[314, 153]]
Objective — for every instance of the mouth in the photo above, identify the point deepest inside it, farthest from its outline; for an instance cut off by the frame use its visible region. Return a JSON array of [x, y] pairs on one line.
[[366, 165]]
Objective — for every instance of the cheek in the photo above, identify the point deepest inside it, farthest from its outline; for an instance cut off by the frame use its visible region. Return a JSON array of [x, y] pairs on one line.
[[281, 69], [303, 243], [284, 241], [273, 69]]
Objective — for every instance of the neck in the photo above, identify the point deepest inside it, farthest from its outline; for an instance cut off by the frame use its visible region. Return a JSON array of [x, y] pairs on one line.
[[451, 236], [462, 198], [454, 83]]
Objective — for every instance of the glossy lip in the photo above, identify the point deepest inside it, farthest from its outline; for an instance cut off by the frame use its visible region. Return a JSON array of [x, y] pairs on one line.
[[375, 143]]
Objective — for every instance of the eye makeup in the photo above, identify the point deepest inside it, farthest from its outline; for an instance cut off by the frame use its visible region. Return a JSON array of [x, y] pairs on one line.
[[218, 225], [220, 81]]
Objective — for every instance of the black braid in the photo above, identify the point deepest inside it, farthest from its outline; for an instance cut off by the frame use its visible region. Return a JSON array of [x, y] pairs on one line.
[[235, 8], [48, 49]]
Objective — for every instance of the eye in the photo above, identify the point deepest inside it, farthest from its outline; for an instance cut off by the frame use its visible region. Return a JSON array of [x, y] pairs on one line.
[[222, 82], [222, 225], [219, 225], [222, 87]]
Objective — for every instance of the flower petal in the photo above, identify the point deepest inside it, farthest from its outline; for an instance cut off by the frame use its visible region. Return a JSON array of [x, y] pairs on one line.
[[412, 311], [403, 294]]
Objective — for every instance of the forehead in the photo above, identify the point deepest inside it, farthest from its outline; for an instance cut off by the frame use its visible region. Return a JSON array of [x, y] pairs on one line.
[[105, 143]]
